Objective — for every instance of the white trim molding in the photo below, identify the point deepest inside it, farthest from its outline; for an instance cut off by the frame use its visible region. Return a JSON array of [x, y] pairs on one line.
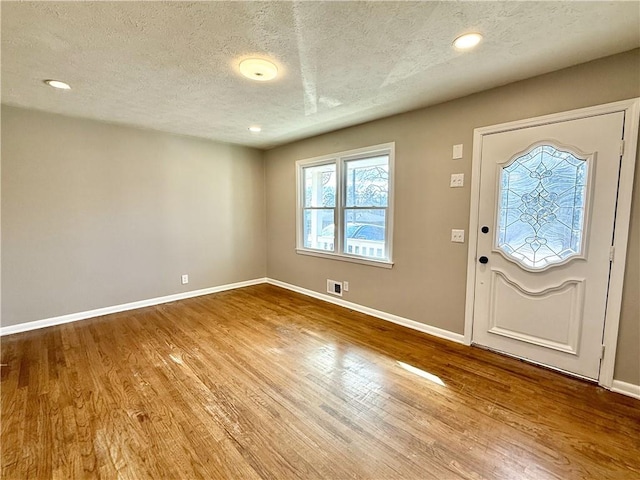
[[631, 109], [628, 389], [98, 312], [340, 160], [405, 322], [74, 317], [617, 386], [621, 229], [345, 258]]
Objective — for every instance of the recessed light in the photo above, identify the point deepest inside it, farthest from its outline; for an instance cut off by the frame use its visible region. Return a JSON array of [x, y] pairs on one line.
[[258, 69], [255, 129], [467, 41], [58, 84]]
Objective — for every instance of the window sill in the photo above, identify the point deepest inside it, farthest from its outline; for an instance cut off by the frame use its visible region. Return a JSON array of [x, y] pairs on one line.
[[345, 258]]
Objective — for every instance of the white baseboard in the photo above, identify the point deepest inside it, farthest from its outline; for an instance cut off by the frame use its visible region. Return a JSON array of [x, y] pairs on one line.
[[405, 322], [625, 388], [617, 386], [74, 317]]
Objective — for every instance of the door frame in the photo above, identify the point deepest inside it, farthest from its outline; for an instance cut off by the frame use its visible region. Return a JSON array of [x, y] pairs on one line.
[[631, 107]]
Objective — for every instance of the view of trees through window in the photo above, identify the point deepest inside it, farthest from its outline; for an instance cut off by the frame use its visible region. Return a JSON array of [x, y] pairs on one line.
[[365, 192], [367, 187]]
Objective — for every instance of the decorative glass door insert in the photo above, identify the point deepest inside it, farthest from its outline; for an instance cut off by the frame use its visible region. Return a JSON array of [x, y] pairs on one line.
[[542, 202]]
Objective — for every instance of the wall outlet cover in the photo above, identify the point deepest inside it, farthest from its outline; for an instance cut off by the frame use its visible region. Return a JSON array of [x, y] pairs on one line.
[[457, 236], [457, 152], [457, 180]]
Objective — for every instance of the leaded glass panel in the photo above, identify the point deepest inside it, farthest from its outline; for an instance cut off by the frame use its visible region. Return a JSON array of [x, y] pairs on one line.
[[541, 207]]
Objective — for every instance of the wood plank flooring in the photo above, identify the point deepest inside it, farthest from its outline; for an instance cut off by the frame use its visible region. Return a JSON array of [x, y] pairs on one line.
[[261, 382]]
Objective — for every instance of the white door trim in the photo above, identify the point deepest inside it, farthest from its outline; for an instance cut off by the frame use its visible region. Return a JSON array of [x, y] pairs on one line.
[[631, 108]]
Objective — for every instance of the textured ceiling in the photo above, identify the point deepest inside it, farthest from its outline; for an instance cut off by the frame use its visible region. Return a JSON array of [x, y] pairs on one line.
[[172, 66]]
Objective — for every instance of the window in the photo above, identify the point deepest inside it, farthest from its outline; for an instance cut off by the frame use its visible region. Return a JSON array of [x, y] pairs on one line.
[[353, 190], [543, 198]]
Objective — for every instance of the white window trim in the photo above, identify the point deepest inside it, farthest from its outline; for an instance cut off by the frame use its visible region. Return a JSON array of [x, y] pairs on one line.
[[339, 159]]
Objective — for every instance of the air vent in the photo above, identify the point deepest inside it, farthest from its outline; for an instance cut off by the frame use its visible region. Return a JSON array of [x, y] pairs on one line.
[[334, 288]]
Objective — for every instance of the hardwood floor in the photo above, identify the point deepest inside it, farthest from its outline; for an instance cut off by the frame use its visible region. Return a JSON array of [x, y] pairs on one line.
[[264, 383]]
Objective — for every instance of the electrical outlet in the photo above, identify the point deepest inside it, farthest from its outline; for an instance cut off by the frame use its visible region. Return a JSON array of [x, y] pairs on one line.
[[185, 279], [457, 236], [457, 152], [345, 286], [457, 180]]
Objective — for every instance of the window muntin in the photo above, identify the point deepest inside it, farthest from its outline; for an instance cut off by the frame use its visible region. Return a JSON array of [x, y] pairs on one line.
[[542, 206], [353, 190]]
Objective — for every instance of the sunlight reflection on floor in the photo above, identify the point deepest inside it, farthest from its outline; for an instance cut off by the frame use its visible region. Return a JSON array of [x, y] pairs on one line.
[[176, 359], [429, 376]]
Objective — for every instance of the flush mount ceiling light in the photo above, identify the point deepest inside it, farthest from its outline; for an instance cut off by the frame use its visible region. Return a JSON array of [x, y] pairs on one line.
[[255, 129], [58, 84], [258, 69], [467, 41]]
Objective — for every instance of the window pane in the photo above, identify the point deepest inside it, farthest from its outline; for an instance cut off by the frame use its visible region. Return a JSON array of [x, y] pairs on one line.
[[318, 230], [541, 210], [367, 182], [320, 186], [365, 233]]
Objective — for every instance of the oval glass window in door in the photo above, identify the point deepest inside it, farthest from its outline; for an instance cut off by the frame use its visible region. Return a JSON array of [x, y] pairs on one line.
[[542, 203]]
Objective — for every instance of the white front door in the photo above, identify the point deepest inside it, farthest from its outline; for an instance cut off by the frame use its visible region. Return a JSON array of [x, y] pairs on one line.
[[547, 206]]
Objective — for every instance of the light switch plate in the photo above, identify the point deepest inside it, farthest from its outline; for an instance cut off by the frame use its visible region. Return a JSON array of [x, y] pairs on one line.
[[457, 180], [457, 236], [457, 151]]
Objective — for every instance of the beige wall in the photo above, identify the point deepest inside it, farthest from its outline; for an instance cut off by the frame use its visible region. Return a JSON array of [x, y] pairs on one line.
[[427, 283], [96, 215]]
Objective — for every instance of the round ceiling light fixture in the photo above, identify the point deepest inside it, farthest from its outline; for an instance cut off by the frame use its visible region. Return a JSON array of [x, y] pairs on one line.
[[58, 84], [467, 41], [258, 69], [255, 129]]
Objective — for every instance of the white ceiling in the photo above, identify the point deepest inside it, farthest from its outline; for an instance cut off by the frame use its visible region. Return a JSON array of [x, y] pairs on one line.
[[172, 66]]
